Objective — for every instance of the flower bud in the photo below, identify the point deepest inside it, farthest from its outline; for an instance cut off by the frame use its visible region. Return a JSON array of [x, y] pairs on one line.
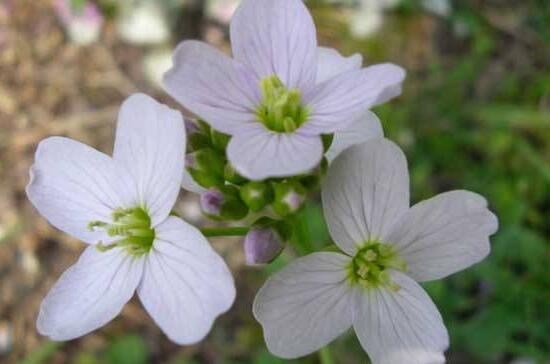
[[256, 195], [206, 166], [262, 245], [223, 204], [289, 197]]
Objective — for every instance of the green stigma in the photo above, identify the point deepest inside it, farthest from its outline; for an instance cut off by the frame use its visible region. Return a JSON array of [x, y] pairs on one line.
[[369, 267], [281, 109], [133, 226]]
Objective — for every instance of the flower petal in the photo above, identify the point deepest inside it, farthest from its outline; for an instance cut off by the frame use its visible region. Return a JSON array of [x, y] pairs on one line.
[[363, 129], [330, 63], [72, 184], [189, 184], [306, 305], [366, 189], [89, 294], [213, 86], [336, 103], [258, 153], [400, 327], [276, 38], [149, 146], [444, 234], [186, 285]]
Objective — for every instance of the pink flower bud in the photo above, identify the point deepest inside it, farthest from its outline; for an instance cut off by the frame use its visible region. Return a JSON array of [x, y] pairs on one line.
[[262, 246], [211, 202]]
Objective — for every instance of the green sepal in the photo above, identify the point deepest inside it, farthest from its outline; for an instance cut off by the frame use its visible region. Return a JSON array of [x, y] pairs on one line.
[[256, 195], [327, 141], [233, 208], [282, 227], [231, 175], [219, 140], [208, 167], [198, 141]]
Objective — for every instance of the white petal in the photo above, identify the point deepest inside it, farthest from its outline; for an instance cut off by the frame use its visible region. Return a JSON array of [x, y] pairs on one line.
[[189, 184], [364, 128], [336, 103], [186, 285], [400, 327], [72, 185], [89, 294], [366, 189], [149, 146], [330, 63], [306, 305], [213, 86], [258, 153], [276, 38], [444, 234]]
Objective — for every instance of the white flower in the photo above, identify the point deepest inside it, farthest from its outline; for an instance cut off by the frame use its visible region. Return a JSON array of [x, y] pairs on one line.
[[121, 206], [266, 96], [387, 248], [367, 126]]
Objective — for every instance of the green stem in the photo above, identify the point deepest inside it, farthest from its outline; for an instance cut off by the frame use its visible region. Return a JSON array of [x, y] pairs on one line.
[[228, 231], [325, 356]]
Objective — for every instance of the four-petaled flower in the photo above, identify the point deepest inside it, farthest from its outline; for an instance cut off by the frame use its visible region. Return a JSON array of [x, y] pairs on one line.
[[387, 248], [121, 206], [268, 97]]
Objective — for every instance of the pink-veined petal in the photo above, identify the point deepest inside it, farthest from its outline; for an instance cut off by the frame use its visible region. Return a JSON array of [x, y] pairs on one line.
[[364, 128], [276, 38], [186, 285], [365, 191], [330, 63], [89, 294], [258, 153], [306, 305], [402, 326], [215, 87], [444, 234], [72, 185], [149, 146], [336, 103]]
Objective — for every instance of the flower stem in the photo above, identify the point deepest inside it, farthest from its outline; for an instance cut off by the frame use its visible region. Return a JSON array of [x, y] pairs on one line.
[[325, 356], [228, 231]]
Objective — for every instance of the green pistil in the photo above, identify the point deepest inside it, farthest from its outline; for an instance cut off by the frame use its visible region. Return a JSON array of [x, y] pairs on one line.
[[369, 267], [133, 226], [281, 109]]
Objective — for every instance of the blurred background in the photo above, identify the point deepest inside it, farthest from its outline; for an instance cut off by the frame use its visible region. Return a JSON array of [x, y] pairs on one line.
[[475, 114]]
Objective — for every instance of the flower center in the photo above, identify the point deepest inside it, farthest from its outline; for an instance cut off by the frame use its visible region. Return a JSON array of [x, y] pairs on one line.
[[369, 267], [281, 109], [132, 226]]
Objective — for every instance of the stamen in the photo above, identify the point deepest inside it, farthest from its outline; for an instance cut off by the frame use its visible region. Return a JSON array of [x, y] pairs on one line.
[[369, 267], [281, 109], [134, 228]]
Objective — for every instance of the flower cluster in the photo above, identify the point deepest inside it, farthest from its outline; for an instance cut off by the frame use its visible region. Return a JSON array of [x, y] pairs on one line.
[[281, 120]]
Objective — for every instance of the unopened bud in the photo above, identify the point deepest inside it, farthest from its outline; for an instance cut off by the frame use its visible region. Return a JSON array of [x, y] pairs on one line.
[[206, 166], [223, 204], [289, 197], [262, 245], [256, 195]]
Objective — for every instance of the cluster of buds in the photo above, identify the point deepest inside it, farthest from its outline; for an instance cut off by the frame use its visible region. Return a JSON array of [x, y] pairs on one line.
[[268, 204]]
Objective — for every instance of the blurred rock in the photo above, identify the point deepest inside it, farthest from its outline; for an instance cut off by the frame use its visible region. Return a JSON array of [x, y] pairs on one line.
[[143, 23], [83, 25], [155, 64], [6, 337], [221, 10]]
